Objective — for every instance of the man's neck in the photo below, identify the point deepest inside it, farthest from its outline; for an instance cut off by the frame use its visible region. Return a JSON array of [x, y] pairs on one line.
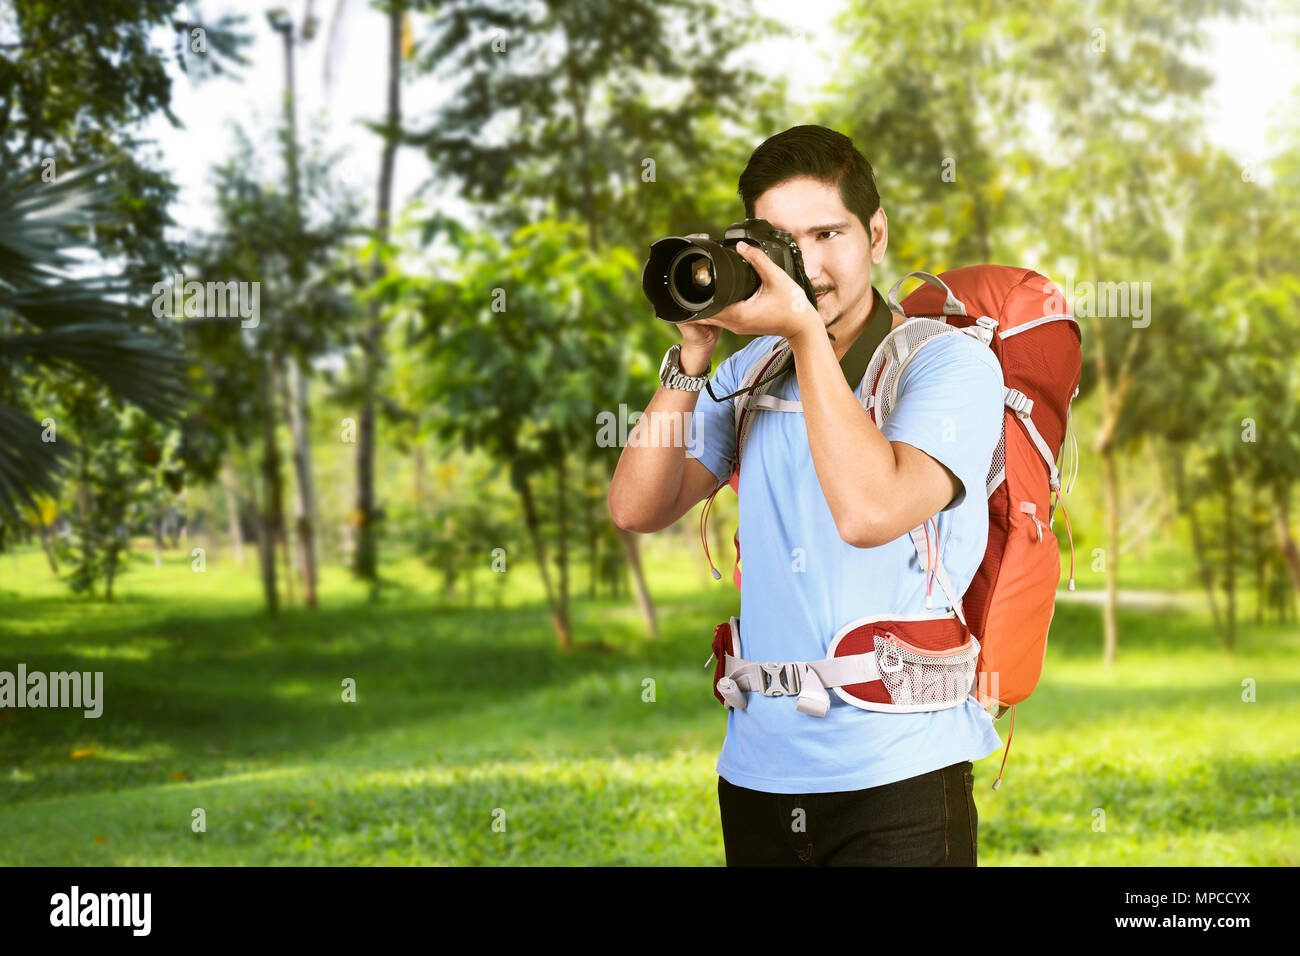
[[848, 334], [846, 331]]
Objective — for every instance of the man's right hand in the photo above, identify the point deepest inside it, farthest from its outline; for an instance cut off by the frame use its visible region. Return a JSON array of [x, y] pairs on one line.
[[698, 342]]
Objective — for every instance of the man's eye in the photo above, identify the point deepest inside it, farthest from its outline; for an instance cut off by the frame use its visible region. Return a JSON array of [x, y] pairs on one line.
[[828, 232]]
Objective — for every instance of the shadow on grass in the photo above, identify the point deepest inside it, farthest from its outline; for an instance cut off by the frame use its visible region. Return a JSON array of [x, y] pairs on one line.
[[203, 693], [194, 690]]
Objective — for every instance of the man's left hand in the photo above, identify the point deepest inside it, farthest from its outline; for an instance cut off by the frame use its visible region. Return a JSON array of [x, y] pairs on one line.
[[779, 307]]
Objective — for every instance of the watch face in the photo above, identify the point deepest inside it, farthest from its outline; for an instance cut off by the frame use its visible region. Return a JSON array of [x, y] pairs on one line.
[[669, 357]]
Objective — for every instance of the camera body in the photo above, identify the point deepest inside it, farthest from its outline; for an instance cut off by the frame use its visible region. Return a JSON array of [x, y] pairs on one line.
[[695, 277]]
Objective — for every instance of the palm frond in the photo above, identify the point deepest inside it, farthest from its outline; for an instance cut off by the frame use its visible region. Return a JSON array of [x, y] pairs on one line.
[[51, 316], [29, 465], [40, 223], [142, 368]]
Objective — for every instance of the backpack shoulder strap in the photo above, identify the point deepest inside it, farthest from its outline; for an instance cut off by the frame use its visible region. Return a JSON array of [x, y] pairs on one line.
[[745, 403], [884, 374]]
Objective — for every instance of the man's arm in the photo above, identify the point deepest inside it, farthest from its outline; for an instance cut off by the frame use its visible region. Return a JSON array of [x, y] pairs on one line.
[[876, 489], [656, 482]]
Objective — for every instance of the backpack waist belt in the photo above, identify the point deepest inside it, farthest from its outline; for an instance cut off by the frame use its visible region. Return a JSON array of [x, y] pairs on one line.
[[891, 664], [807, 680]]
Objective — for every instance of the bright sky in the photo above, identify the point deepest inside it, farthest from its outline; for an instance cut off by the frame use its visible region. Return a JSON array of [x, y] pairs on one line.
[[1257, 82]]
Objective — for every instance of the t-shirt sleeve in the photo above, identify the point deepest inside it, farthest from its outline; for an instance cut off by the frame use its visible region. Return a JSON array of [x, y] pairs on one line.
[[950, 406], [713, 425]]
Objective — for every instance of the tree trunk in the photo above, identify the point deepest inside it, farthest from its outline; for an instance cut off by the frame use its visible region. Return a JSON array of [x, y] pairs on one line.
[[83, 508], [559, 613], [632, 551], [1203, 567], [209, 539], [562, 525], [1109, 625], [589, 520], [230, 483], [631, 547], [112, 548], [1230, 557], [299, 415], [47, 546], [419, 480], [1111, 394], [1259, 554], [1282, 527], [366, 561], [303, 558], [272, 515], [157, 538]]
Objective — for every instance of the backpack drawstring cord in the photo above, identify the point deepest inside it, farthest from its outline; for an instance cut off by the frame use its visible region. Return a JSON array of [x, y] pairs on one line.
[[1006, 753], [704, 538], [930, 562], [1069, 534]]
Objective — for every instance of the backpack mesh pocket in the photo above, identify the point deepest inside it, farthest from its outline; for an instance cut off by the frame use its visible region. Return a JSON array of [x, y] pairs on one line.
[[915, 676]]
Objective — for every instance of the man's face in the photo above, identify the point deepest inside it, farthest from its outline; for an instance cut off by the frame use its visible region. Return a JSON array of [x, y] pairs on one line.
[[837, 250]]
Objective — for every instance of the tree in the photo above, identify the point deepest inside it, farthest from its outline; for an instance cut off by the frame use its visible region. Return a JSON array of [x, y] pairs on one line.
[[262, 238], [76, 78], [366, 558], [524, 341], [1119, 93], [552, 115]]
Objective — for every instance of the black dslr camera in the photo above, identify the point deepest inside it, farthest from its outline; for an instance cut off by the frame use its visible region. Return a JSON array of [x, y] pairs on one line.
[[695, 277]]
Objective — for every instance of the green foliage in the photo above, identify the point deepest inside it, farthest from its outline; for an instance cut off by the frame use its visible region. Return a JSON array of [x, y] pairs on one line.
[[572, 79], [55, 321], [125, 469], [78, 77], [528, 342], [468, 518]]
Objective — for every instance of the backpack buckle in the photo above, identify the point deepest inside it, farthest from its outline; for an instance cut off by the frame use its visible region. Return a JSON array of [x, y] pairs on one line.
[[779, 680], [984, 329]]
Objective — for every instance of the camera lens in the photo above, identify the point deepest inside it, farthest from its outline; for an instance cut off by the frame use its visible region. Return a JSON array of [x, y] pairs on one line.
[[690, 279], [695, 278]]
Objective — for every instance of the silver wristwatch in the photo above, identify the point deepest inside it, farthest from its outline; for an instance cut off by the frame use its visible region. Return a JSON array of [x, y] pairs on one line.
[[672, 376]]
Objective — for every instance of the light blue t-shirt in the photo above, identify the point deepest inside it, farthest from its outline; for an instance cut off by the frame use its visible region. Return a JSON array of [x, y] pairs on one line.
[[802, 582]]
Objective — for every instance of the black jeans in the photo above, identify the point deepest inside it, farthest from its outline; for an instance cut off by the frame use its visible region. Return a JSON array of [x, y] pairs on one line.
[[926, 820]]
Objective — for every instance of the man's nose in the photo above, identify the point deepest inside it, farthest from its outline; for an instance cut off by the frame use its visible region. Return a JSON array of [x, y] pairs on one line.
[[812, 265]]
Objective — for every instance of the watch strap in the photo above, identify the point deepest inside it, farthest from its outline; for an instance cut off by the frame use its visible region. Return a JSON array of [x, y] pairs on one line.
[[673, 376]]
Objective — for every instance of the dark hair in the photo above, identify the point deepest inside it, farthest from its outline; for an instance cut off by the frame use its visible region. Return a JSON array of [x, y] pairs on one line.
[[815, 151]]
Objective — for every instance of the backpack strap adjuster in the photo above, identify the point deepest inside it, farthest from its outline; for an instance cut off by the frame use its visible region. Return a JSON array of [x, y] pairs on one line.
[[1019, 402], [984, 329]]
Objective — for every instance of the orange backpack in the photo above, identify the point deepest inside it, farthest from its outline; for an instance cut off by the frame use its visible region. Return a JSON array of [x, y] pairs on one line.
[[1024, 319]]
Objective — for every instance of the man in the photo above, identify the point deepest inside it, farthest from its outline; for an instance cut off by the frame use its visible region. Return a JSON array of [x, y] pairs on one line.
[[826, 503]]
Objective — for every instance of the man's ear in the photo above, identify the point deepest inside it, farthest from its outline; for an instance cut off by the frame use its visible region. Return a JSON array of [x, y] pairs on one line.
[[879, 232]]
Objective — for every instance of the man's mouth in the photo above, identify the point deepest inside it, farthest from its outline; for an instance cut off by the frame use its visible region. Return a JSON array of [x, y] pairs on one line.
[[823, 293]]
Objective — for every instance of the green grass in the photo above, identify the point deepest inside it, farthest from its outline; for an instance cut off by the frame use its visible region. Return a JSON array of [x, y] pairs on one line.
[[464, 714]]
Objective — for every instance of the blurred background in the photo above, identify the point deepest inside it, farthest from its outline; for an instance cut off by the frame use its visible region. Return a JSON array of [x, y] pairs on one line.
[[313, 319]]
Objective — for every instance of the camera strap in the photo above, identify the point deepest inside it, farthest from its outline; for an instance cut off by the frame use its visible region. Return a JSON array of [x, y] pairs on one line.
[[855, 361]]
